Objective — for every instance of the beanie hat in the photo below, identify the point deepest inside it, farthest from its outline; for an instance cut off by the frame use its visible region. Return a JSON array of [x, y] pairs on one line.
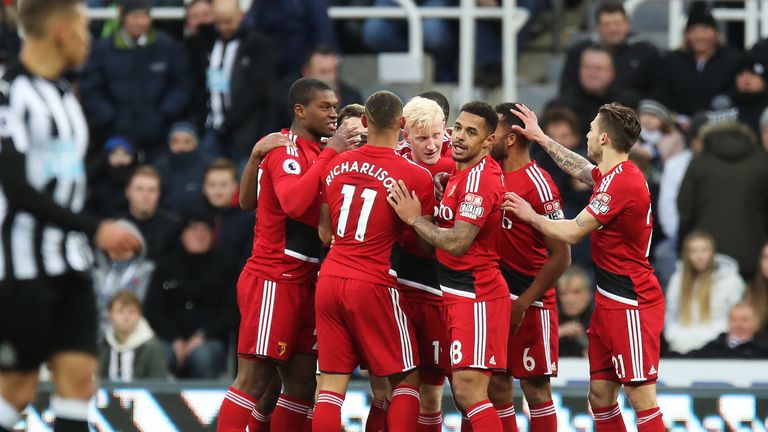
[[648, 106], [699, 14], [128, 6], [752, 64], [118, 141], [185, 127]]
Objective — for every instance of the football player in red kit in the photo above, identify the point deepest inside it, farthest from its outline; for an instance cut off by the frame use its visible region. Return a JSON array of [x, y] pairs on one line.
[[405, 146], [276, 286], [626, 325], [358, 308], [531, 264], [475, 294]]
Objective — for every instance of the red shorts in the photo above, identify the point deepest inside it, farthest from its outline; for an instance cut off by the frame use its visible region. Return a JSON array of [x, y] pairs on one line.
[[624, 344], [533, 349], [362, 322], [478, 333], [428, 321], [277, 318]]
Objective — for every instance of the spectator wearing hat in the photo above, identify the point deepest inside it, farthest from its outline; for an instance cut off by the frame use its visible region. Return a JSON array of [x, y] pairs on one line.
[[136, 82], [750, 93], [182, 169], [688, 78], [191, 301], [659, 139], [109, 177]]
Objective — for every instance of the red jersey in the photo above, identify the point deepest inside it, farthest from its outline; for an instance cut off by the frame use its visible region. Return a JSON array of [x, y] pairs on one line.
[[473, 195], [286, 245], [365, 226], [621, 202], [523, 251]]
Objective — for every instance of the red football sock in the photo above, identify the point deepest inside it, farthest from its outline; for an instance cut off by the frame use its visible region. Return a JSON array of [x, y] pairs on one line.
[[506, 414], [327, 412], [650, 420], [377, 417], [466, 425], [543, 417], [484, 417], [258, 422], [608, 419], [290, 413], [308, 421], [235, 411], [403, 413], [431, 422]]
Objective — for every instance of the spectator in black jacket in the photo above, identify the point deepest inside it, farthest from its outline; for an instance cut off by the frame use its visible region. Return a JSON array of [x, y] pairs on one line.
[[109, 177], [198, 13], [750, 93], [574, 301], [634, 59], [136, 82], [191, 301], [182, 169], [741, 341]]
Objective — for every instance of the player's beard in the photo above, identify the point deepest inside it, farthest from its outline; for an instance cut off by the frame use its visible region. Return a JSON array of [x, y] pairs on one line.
[[594, 153], [499, 151]]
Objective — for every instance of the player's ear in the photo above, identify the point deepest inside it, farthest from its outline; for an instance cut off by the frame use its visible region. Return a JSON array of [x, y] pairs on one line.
[[402, 122], [488, 141], [298, 110], [364, 121]]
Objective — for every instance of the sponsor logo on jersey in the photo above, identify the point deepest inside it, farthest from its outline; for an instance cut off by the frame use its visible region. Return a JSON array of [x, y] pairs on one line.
[[291, 166], [554, 210], [492, 361], [473, 199], [445, 212], [600, 203], [471, 211], [652, 371], [281, 348]]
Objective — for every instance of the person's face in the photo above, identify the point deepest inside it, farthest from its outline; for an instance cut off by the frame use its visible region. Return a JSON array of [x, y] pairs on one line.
[[469, 137], [595, 141], [119, 157], [702, 38], [319, 116], [764, 262], [323, 67], [137, 23], [562, 133], [227, 21], [182, 142], [574, 296], [70, 30], [219, 188], [356, 122], [650, 122], [749, 82], [742, 323], [426, 142], [700, 254], [143, 193], [613, 27], [499, 149], [197, 238], [121, 256], [201, 13], [596, 72], [124, 317]]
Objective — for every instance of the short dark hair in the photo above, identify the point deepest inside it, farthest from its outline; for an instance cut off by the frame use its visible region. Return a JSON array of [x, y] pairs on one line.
[[124, 297], [560, 115], [34, 14], [621, 124], [609, 7], [440, 99], [595, 47], [317, 50], [349, 111], [303, 90], [221, 164], [508, 119], [383, 110], [482, 109]]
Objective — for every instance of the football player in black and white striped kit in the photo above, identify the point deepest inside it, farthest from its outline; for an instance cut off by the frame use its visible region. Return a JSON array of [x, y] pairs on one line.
[[47, 306]]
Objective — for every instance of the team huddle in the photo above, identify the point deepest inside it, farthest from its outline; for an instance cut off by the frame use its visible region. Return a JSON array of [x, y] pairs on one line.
[[435, 257]]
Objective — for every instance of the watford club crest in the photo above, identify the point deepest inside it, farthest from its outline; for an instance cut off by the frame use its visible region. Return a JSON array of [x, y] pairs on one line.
[[282, 347]]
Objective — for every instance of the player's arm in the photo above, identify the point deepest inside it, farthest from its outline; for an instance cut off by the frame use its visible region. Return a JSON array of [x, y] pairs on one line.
[[324, 228], [559, 260], [570, 231], [249, 183], [572, 163]]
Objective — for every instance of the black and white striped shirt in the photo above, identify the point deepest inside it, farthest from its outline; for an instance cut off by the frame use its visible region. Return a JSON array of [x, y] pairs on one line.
[[43, 141], [220, 67]]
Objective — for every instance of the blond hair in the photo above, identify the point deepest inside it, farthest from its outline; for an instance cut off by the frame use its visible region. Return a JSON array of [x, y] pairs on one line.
[[420, 112], [696, 286]]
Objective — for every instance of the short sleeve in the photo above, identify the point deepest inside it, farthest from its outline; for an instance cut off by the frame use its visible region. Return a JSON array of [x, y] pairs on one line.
[[551, 205], [284, 163], [610, 200], [481, 196], [596, 174]]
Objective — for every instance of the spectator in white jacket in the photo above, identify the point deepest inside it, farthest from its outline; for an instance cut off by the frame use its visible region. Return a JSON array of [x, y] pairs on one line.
[[700, 294]]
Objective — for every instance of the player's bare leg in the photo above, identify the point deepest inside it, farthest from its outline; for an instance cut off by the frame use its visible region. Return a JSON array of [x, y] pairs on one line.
[[470, 390], [382, 394], [260, 417], [299, 384], [430, 411], [17, 390], [603, 398], [538, 393], [327, 416], [74, 381], [500, 392], [403, 413], [642, 397], [254, 376]]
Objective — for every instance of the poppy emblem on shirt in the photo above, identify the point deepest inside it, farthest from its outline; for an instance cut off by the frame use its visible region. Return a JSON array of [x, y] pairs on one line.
[[291, 166], [453, 189]]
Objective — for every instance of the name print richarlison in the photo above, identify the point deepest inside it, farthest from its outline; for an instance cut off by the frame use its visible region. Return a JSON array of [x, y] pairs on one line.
[[372, 170]]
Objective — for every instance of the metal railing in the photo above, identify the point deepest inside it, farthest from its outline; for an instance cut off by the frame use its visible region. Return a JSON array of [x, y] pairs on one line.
[[512, 17]]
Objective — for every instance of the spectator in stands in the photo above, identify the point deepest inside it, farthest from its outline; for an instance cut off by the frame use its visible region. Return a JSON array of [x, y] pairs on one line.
[[233, 227], [688, 78], [725, 193], [10, 43], [109, 177], [387, 35], [757, 291], [659, 138], [750, 95], [634, 59], [596, 87], [574, 301], [236, 112], [741, 341], [159, 227], [191, 302], [129, 349], [199, 13], [764, 130], [700, 293], [293, 27], [182, 169]]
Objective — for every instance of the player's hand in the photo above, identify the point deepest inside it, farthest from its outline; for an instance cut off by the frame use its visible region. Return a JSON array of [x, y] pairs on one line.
[[115, 239], [440, 180], [346, 137], [520, 207], [516, 317], [269, 143], [532, 130], [406, 205]]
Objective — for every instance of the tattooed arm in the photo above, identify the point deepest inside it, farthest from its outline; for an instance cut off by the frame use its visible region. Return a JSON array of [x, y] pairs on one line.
[[570, 231], [455, 241]]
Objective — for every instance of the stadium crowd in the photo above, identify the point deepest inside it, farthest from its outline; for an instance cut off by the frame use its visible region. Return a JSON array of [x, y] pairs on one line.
[[174, 113]]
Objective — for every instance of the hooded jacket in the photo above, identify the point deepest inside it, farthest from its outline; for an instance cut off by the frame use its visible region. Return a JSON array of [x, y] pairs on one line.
[[725, 193], [141, 356]]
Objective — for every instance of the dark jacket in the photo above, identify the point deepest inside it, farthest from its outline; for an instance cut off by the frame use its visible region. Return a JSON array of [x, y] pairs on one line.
[[750, 106], [635, 62], [574, 347], [193, 293], [725, 193], [284, 113], [233, 232], [106, 189], [142, 347], [684, 89], [757, 348], [183, 176], [585, 105], [161, 232], [136, 92]]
